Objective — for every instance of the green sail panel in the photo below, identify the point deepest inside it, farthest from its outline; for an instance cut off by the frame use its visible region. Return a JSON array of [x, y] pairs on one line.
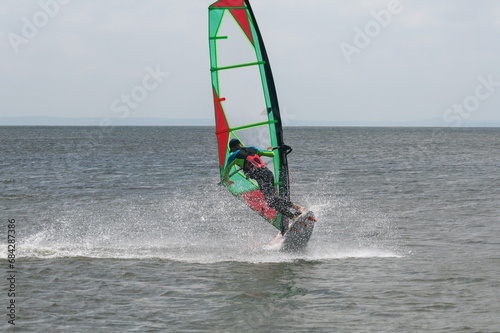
[[245, 100]]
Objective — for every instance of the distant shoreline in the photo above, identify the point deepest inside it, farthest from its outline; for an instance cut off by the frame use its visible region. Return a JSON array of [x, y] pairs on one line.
[[162, 122]]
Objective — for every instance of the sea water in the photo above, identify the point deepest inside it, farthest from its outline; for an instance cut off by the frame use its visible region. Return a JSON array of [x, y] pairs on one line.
[[124, 229]]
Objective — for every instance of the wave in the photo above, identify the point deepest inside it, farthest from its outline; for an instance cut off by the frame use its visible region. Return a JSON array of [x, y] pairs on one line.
[[193, 254], [204, 229], [246, 248]]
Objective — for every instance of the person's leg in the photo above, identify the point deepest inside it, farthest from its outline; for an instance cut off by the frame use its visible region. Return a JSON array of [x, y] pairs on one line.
[[265, 179]]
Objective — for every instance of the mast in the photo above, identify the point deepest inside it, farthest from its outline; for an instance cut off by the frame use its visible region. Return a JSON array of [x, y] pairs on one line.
[[284, 184]]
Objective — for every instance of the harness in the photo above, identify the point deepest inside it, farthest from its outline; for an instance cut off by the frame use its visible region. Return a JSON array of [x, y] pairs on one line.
[[252, 159]]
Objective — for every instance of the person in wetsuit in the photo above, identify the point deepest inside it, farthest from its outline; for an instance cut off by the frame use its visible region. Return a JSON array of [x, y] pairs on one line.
[[248, 159]]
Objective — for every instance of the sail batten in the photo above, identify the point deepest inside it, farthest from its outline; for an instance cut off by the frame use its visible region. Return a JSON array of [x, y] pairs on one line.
[[234, 129], [243, 86], [237, 66]]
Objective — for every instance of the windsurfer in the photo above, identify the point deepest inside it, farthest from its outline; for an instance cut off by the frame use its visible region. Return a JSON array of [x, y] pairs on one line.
[[248, 159]]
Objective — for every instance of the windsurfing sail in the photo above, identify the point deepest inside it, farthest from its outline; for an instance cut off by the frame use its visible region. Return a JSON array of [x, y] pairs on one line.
[[245, 101]]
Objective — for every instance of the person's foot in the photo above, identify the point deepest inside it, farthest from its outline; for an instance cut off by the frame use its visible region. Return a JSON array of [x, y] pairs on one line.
[[299, 208], [276, 239]]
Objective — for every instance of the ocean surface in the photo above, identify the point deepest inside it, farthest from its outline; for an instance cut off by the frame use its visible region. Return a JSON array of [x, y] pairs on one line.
[[124, 229]]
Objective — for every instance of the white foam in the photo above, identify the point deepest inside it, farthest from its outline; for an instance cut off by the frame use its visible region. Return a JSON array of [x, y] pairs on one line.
[[206, 231], [195, 251]]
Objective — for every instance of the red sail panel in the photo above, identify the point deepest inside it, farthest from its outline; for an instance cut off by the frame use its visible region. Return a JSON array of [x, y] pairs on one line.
[[241, 17], [257, 202], [221, 129]]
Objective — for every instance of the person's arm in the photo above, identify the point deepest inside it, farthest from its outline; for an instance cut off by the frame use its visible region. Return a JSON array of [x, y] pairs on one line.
[[230, 162], [287, 149], [267, 153]]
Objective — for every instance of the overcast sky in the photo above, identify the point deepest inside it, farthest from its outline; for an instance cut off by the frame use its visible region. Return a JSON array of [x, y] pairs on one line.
[[333, 60]]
